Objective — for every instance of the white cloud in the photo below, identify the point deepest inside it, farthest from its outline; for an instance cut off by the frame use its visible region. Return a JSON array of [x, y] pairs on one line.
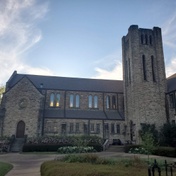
[[171, 67], [109, 67], [18, 33]]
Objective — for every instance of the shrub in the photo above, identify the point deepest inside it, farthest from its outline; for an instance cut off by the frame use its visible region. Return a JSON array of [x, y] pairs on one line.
[[41, 147], [75, 149], [127, 148], [165, 151]]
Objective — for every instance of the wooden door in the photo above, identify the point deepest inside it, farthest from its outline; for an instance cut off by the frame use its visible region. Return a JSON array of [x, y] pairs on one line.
[[20, 129]]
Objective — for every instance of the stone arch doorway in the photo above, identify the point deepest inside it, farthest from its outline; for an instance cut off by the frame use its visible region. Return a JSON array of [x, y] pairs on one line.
[[20, 129]]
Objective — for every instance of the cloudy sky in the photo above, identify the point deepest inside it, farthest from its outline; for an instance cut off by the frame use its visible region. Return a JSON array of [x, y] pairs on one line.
[[78, 38]]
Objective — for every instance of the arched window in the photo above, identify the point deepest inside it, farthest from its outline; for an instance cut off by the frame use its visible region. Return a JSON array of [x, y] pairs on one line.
[[144, 67], [153, 68], [95, 101], [113, 102], [57, 100], [150, 40], [108, 102], [52, 100], [71, 100], [142, 39], [90, 101], [146, 39], [77, 101]]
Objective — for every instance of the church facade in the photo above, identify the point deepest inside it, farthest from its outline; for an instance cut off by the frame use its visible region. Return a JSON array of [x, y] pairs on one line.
[[35, 105]]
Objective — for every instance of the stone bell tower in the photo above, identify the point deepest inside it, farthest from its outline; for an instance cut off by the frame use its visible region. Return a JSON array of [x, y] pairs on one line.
[[144, 79]]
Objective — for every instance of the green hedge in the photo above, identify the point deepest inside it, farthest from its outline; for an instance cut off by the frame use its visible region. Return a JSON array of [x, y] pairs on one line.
[[128, 147], [165, 151], [41, 147]]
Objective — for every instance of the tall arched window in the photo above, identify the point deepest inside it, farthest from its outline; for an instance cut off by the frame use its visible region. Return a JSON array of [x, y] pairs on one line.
[[142, 39], [146, 39], [57, 100], [153, 68], [71, 100], [51, 99], [108, 102], [144, 67], [90, 101], [150, 40], [77, 101], [113, 102], [95, 101]]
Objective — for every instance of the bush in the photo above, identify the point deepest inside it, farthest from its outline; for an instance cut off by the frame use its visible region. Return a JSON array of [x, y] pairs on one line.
[[41, 147], [127, 148], [165, 151], [75, 149]]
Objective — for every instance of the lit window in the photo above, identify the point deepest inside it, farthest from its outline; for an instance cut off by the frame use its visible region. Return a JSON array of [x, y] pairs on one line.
[[90, 101], [57, 100], [108, 102], [95, 101], [52, 100], [113, 102], [77, 101], [71, 100]]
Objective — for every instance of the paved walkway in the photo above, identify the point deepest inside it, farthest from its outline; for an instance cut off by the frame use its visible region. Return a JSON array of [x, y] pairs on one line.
[[29, 164]]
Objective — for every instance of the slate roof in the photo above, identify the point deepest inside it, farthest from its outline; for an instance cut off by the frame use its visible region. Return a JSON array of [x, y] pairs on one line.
[[83, 114], [171, 84], [65, 83]]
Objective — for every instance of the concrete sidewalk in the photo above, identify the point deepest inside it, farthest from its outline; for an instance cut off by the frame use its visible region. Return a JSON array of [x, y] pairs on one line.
[[29, 164]]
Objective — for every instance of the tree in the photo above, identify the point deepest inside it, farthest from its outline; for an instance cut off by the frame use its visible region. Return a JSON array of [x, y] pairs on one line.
[[2, 90], [168, 135], [148, 143]]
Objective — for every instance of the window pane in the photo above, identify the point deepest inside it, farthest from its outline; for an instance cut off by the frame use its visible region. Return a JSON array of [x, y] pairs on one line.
[[98, 128], [85, 128], [71, 100], [90, 101], [52, 100], [77, 101], [58, 100], [118, 129], [95, 102], [63, 128], [92, 127], [108, 102], [71, 128], [113, 102], [112, 128], [77, 127]]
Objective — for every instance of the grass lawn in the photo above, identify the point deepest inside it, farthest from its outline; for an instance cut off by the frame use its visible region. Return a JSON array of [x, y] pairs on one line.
[[77, 166], [5, 168]]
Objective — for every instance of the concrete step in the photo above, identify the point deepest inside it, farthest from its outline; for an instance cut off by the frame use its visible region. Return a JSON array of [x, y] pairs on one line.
[[17, 145], [115, 148]]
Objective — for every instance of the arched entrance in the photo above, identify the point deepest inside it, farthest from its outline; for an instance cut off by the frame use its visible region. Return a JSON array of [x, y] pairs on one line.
[[20, 129]]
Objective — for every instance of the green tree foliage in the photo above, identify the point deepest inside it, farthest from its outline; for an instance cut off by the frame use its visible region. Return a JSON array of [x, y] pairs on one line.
[[149, 129], [2, 90], [168, 135]]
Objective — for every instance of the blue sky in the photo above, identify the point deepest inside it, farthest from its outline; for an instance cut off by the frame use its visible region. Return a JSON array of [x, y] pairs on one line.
[[78, 38]]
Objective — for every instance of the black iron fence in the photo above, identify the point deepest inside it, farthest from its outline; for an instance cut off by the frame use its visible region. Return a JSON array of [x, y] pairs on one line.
[[155, 169]]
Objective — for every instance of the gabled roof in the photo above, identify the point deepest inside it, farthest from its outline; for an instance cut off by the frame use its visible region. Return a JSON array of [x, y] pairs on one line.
[[65, 83], [171, 84]]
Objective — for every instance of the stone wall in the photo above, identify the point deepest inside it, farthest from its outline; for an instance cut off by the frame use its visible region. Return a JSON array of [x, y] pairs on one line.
[[144, 96], [55, 127], [23, 103]]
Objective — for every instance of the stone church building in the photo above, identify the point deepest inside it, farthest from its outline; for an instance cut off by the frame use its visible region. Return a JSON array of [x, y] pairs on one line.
[[35, 105]]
